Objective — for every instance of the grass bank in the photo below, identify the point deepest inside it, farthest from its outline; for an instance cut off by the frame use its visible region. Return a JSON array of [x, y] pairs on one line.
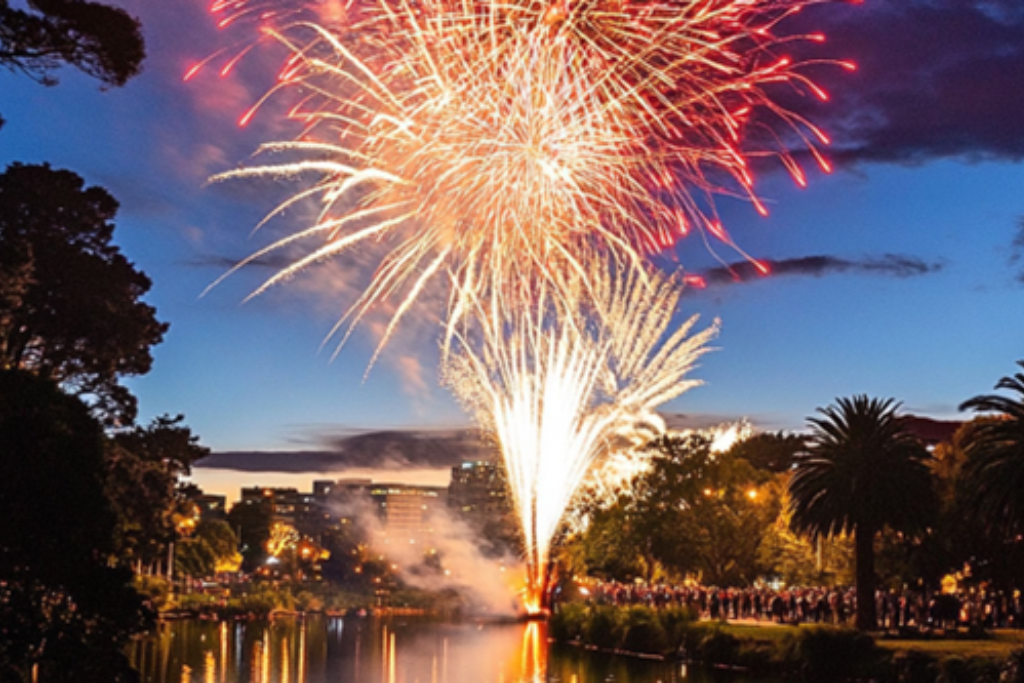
[[803, 653]]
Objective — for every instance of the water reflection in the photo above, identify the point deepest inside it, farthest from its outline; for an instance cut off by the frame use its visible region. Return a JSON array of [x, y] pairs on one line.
[[361, 650]]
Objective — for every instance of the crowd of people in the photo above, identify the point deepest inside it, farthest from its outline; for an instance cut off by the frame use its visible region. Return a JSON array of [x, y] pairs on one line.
[[896, 610]]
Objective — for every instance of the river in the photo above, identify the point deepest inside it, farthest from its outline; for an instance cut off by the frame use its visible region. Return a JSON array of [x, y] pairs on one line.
[[365, 650]]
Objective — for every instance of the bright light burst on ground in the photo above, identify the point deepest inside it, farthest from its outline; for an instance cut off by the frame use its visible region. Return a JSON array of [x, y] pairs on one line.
[[523, 157], [566, 381]]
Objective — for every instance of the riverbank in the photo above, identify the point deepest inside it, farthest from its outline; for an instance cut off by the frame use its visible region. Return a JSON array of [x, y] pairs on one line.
[[261, 600], [805, 653]]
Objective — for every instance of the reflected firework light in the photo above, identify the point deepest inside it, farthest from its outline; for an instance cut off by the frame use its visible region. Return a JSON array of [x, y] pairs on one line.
[[564, 381], [482, 141]]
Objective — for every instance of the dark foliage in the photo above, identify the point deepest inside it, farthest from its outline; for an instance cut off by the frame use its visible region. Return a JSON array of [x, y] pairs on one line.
[[143, 466], [103, 41], [995, 458], [251, 521], [62, 607], [693, 511], [769, 451], [70, 302], [862, 472]]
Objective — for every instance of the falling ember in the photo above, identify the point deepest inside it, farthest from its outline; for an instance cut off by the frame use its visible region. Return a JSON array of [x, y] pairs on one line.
[[479, 142], [561, 383], [524, 158]]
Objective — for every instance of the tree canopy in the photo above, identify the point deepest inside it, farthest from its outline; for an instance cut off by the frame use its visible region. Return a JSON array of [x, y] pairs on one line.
[[62, 607], [71, 306], [995, 457], [104, 42], [862, 472], [693, 512], [143, 466], [251, 521]]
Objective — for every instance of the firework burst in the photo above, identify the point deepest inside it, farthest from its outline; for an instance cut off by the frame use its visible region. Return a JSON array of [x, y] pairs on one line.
[[566, 381], [486, 144], [526, 156]]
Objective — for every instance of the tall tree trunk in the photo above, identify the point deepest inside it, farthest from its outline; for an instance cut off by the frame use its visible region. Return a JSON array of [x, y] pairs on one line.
[[864, 547]]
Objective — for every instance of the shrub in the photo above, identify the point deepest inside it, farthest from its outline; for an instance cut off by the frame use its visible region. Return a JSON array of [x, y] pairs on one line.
[[567, 623], [719, 647], [967, 670], [918, 667], [1013, 670], [694, 635], [828, 654], [601, 629], [642, 631], [154, 589], [307, 602], [675, 622]]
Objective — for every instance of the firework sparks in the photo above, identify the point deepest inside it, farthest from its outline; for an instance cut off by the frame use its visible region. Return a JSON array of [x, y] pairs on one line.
[[481, 142], [515, 153], [563, 382]]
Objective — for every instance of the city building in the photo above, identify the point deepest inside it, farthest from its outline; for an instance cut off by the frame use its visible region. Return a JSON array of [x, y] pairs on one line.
[[407, 513], [478, 491], [287, 505], [210, 506]]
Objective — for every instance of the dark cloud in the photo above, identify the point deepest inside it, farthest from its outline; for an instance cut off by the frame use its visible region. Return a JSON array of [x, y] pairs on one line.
[[385, 450], [936, 79], [1017, 250], [681, 421], [888, 265], [271, 261]]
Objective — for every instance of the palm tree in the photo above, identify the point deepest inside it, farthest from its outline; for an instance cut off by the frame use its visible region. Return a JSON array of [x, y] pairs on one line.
[[995, 457], [861, 471]]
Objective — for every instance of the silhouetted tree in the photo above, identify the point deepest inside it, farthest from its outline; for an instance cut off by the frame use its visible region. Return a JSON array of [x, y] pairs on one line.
[[104, 42], [143, 470], [995, 457], [62, 607], [769, 451], [70, 302], [862, 472], [212, 544], [250, 520]]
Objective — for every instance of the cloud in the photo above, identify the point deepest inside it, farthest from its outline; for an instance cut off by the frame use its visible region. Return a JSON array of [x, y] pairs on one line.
[[1017, 250], [225, 263], [936, 79], [385, 450], [888, 265]]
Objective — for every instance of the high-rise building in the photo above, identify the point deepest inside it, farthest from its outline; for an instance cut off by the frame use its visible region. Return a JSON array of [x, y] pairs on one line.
[[287, 505], [478, 490], [408, 513]]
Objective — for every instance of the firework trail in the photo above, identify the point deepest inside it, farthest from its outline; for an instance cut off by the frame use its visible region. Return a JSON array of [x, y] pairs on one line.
[[564, 382], [526, 156], [484, 144]]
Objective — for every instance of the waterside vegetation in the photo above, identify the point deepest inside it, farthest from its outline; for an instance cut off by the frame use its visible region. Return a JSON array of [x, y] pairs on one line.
[[805, 653]]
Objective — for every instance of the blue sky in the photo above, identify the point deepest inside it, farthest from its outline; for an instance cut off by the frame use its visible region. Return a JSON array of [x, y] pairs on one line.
[[914, 293]]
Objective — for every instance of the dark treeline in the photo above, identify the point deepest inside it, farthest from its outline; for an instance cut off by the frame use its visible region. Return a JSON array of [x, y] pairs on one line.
[[86, 494]]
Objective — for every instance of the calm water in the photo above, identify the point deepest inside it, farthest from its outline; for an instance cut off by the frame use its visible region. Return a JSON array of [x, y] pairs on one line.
[[362, 650]]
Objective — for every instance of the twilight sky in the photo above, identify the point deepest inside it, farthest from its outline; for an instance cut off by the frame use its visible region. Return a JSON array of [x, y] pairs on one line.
[[901, 274]]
